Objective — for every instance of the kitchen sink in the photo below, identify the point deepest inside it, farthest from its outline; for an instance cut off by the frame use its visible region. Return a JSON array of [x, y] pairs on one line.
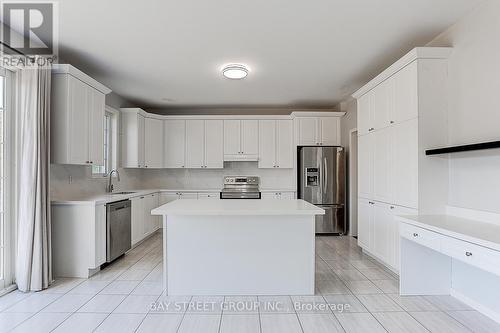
[[125, 192]]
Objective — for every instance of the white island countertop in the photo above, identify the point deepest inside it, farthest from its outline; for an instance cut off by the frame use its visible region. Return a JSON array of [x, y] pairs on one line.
[[238, 207]]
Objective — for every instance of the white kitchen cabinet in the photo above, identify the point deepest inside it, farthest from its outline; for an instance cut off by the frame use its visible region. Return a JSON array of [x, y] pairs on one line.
[[195, 143], [166, 197], [174, 143], [153, 143], [188, 195], [204, 144], [287, 195], [137, 219], [77, 117], [78, 239], [383, 105], [133, 138], [365, 166], [214, 144], [151, 222], [365, 223], [401, 113], [365, 114], [382, 164], [211, 195], [276, 144], [406, 93], [405, 163], [318, 131], [241, 140]]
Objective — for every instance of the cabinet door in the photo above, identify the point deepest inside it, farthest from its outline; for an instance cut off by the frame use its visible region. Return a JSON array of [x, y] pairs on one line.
[[382, 235], [382, 165], [232, 137], [365, 166], [209, 196], [250, 137], [382, 104], [188, 195], [365, 223], [330, 131], [153, 219], [214, 144], [308, 131], [79, 122], [269, 195], [137, 219], [100, 235], [174, 143], [195, 143], [394, 229], [267, 144], [287, 195], [166, 197], [406, 93], [141, 124], [153, 143], [405, 163], [96, 126], [284, 144], [364, 114]]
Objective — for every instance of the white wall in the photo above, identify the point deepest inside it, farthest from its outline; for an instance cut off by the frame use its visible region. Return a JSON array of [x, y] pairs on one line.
[[212, 179], [474, 106]]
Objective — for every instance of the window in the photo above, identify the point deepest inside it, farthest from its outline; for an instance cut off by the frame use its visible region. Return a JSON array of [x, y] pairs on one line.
[[6, 250], [110, 142]]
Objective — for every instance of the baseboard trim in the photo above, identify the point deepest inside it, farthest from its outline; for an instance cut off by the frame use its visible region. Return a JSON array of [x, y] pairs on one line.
[[476, 306]]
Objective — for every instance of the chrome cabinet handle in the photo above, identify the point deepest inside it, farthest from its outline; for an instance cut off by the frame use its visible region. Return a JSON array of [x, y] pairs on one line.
[[415, 234], [468, 254], [392, 207], [391, 122]]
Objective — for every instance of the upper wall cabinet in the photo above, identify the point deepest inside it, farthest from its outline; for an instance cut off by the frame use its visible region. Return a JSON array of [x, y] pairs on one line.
[[133, 138], [153, 141], [276, 144], [204, 144], [174, 143], [318, 131], [77, 117], [241, 140]]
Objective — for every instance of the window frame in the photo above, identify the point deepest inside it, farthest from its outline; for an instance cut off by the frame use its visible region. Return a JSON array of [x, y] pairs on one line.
[[9, 141], [110, 142]]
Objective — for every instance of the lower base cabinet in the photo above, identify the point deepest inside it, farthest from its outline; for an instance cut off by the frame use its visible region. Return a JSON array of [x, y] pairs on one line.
[[378, 230], [278, 195], [142, 222]]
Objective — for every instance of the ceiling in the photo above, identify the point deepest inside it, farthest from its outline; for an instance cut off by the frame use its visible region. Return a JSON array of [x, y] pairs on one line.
[[167, 54]]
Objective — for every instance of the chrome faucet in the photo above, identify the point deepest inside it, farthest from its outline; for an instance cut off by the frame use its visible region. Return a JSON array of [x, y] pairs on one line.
[[110, 184]]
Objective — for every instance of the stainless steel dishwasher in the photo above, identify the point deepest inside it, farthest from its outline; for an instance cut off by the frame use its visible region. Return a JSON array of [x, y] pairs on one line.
[[118, 229]]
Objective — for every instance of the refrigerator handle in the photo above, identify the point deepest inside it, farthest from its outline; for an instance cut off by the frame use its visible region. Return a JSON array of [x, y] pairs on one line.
[[325, 174]]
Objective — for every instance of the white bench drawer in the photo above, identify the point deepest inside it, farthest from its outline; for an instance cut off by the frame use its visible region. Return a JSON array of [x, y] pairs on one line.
[[421, 236], [475, 255]]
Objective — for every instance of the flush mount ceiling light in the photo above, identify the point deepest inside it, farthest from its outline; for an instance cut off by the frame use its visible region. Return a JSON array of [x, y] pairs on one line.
[[235, 71]]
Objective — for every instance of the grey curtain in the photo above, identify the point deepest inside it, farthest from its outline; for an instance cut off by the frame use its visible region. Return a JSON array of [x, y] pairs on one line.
[[33, 256]]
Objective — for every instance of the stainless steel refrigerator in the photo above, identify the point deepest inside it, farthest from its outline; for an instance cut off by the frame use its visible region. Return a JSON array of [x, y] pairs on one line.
[[321, 181]]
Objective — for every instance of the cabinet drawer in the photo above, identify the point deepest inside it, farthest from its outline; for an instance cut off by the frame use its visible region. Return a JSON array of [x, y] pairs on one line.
[[475, 255], [421, 236], [212, 195]]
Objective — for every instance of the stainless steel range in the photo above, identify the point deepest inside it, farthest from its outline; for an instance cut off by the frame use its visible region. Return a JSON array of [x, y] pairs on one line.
[[240, 187]]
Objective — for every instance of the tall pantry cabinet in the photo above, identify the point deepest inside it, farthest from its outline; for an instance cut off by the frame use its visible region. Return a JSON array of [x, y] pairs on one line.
[[401, 113]]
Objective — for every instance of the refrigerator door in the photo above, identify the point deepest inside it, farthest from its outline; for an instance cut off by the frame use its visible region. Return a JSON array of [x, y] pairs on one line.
[[310, 176], [333, 220], [333, 176]]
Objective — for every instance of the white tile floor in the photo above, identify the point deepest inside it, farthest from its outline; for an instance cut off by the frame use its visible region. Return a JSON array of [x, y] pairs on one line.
[[362, 295]]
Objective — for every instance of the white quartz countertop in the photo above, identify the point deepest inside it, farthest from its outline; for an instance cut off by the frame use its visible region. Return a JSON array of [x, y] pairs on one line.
[[105, 198], [473, 231], [238, 207]]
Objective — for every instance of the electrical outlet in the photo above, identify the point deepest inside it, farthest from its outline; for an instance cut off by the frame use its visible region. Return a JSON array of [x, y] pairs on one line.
[[70, 179]]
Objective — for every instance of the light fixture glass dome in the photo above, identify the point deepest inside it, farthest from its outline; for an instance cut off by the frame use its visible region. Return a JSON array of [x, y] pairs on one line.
[[235, 71]]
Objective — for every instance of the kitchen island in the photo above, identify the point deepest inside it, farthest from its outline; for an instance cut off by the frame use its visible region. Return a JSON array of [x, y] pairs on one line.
[[239, 247]]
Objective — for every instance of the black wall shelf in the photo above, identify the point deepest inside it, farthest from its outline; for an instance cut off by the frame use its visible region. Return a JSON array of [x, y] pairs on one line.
[[457, 149]]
